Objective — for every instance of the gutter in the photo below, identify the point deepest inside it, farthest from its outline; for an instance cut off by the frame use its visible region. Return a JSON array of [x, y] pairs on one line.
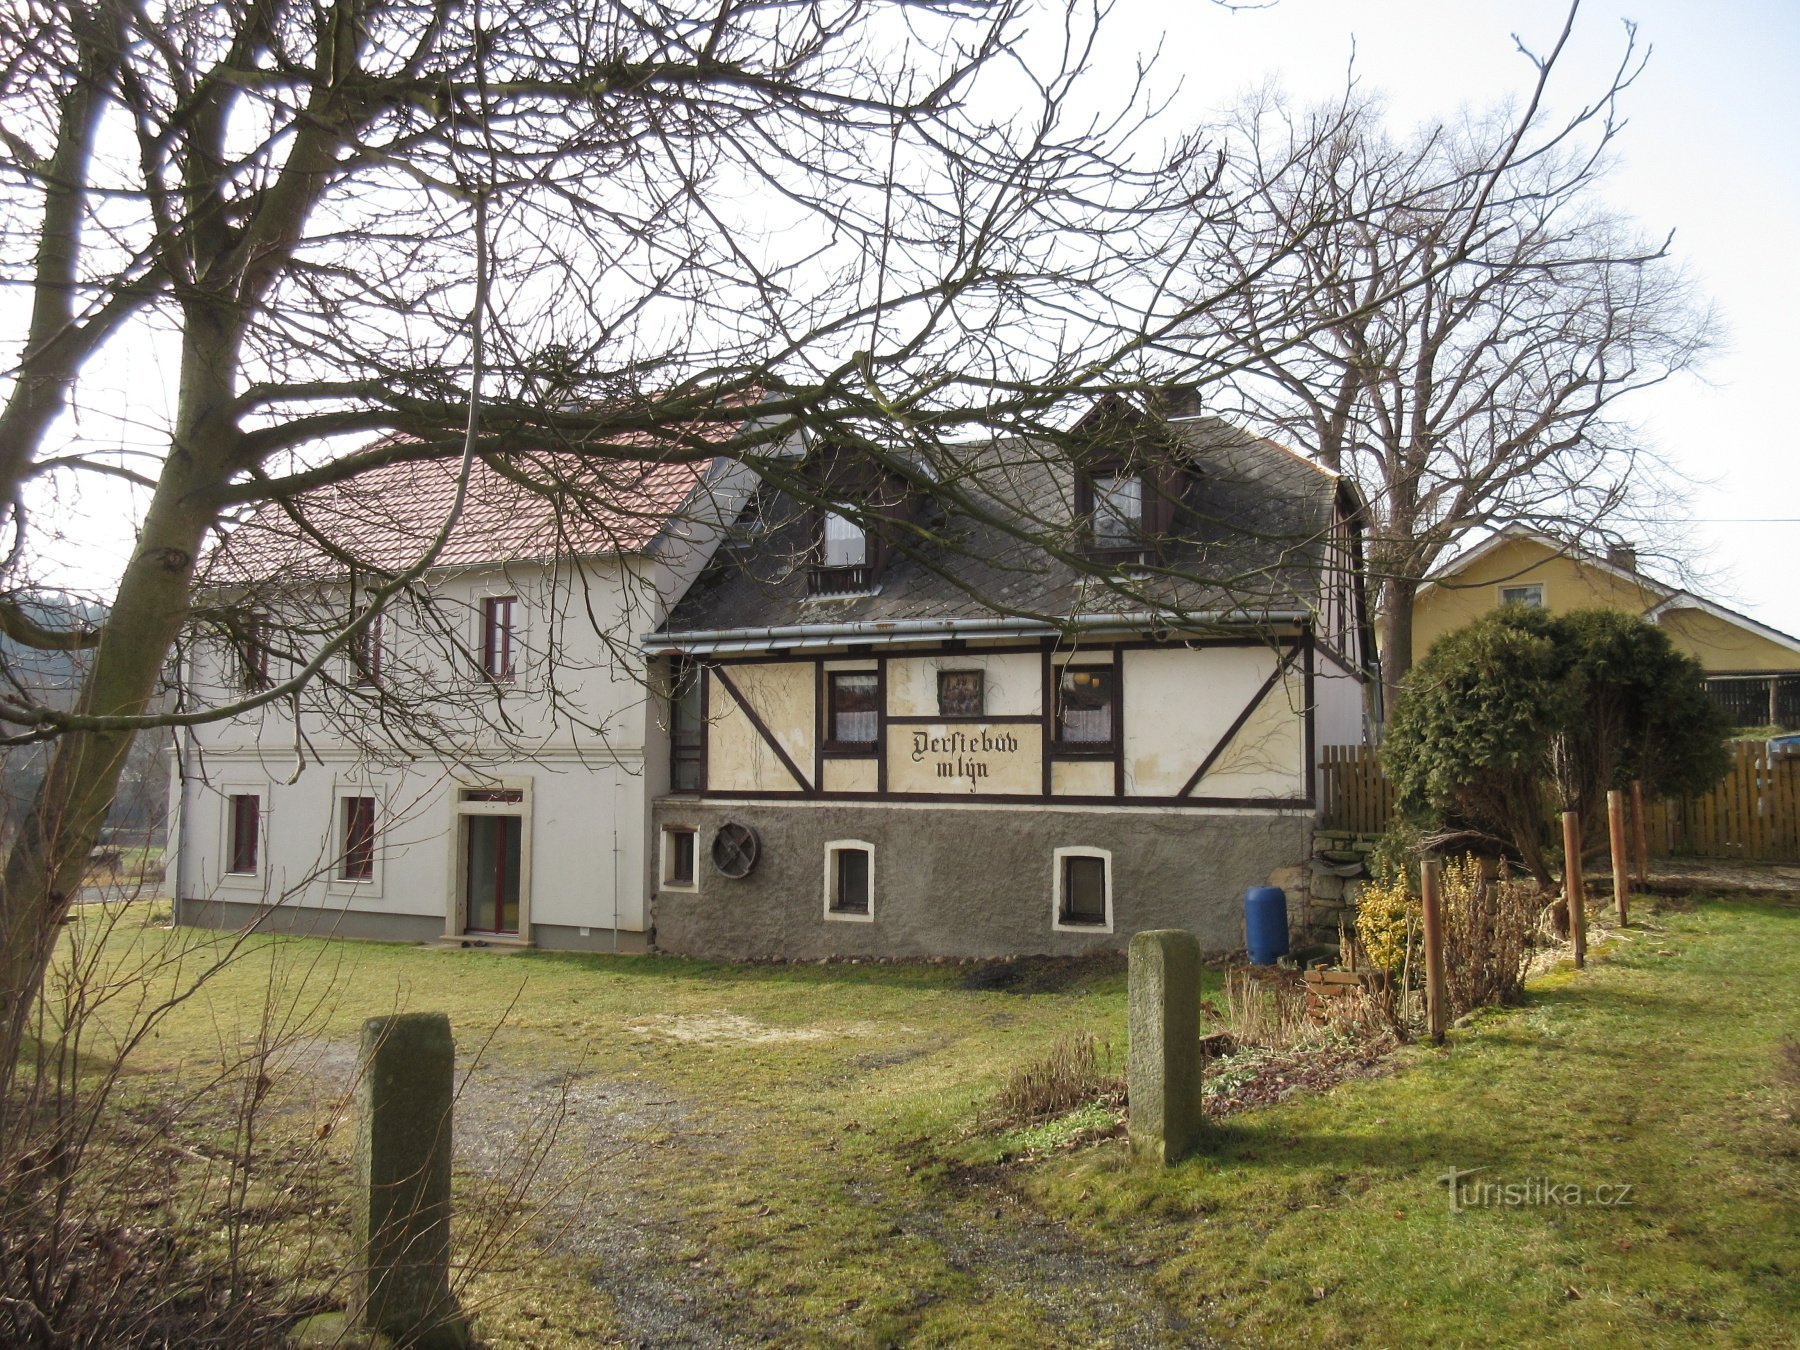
[[891, 632]]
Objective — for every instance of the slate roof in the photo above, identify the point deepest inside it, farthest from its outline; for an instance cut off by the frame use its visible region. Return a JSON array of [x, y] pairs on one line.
[[386, 518], [1258, 516]]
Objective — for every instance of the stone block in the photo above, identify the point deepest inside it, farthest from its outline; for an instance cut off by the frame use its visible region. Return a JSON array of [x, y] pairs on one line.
[[1294, 880], [406, 1094], [1327, 888], [1164, 1059]]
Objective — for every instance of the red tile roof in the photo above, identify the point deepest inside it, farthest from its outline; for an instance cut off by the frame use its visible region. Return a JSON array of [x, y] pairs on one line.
[[386, 518]]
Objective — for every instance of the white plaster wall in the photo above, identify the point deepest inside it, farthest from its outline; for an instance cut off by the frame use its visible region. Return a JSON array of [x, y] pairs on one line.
[[1339, 700], [1178, 702], [1012, 683], [587, 826], [581, 721]]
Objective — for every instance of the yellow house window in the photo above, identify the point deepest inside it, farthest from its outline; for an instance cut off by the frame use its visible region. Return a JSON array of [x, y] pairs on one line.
[[1532, 595]]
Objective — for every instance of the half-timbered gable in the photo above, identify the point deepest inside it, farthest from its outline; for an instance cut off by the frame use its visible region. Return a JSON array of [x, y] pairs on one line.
[[1077, 693]]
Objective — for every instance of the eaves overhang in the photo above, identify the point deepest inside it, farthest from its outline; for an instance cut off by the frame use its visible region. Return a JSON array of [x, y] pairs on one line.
[[891, 632]]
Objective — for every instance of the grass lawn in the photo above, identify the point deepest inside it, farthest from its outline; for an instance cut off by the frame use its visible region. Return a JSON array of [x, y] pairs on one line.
[[794, 1153]]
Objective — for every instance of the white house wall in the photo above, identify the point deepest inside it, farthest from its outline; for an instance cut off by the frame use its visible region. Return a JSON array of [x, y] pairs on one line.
[[584, 827], [578, 720]]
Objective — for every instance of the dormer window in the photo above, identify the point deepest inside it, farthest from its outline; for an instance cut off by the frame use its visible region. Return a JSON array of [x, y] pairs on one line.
[[843, 566], [846, 542], [1118, 511]]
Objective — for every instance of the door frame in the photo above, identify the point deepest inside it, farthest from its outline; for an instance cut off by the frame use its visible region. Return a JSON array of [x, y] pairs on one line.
[[456, 919]]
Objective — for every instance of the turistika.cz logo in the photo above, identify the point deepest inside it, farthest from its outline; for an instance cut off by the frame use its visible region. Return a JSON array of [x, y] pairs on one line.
[[1531, 1193]]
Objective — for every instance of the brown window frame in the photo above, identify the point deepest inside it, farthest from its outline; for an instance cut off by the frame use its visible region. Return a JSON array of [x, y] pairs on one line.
[[499, 633], [1066, 746], [833, 743], [244, 858], [358, 823], [253, 652], [687, 743], [366, 653]]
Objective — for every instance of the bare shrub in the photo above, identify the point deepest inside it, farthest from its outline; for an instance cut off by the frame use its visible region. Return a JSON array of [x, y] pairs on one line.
[[131, 1216], [1076, 1070], [1267, 1013], [1488, 929]]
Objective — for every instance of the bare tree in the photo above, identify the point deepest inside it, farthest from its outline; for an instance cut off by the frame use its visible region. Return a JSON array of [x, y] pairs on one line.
[[1453, 318], [559, 243], [565, 248]]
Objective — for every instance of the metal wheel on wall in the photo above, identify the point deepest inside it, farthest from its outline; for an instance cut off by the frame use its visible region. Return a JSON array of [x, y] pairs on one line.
[[735, 849]]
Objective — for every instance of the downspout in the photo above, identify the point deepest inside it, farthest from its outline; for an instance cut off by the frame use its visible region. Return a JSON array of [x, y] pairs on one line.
[[177, 826], [615, 861]]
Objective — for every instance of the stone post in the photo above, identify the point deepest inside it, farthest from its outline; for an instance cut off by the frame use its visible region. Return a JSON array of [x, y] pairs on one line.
[[1164, 1058], [406, 1092]]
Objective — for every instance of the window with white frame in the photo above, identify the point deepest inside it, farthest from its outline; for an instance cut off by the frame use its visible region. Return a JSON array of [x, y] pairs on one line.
[[366, 652], [1532, 596], [1118, 511], [850, 880], [1082, 884], [499, 636], [1085, 700], [255, 633], [853, 709], [243, 841], [846, 543], [356, 838], [680, 852], [492, 841]]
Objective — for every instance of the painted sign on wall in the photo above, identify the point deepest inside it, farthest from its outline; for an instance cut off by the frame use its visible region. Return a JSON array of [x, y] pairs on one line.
[[974, 757]]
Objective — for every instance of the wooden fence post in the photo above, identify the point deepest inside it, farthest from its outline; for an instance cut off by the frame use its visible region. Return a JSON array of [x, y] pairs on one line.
[[1437, 1015], [1641, 833], [1615, 828], [1573, 894]]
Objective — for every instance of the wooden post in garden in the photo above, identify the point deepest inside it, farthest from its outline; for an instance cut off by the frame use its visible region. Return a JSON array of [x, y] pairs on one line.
[[1640, 834], [406, 1094], [1615, 826], [1163, 1057], [1437, 1011], [1573, 894]]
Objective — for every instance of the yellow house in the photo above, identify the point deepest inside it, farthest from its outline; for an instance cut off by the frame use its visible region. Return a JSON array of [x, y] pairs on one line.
[[1752, 669]]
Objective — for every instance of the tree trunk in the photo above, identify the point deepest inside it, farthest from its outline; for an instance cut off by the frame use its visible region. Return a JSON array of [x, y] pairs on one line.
[[48, 858], [1396, 639]]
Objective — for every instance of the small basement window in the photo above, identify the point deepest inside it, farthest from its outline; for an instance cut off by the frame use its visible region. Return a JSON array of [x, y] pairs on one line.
[[850, 880], [1083, 880], [679, 850]]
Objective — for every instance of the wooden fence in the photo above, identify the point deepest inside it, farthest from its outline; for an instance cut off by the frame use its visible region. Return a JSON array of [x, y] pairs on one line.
[[1753, 815], [1354, 794]]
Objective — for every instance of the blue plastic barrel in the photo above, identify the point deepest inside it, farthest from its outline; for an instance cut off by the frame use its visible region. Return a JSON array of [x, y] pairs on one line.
[[1265, 924]]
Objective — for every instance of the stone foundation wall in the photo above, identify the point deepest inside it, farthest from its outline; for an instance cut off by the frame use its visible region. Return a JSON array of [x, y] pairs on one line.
[[1320, 894], [965, 881]]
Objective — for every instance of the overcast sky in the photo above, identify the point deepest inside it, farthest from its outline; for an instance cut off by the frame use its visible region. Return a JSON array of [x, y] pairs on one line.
[[1711, 152]]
